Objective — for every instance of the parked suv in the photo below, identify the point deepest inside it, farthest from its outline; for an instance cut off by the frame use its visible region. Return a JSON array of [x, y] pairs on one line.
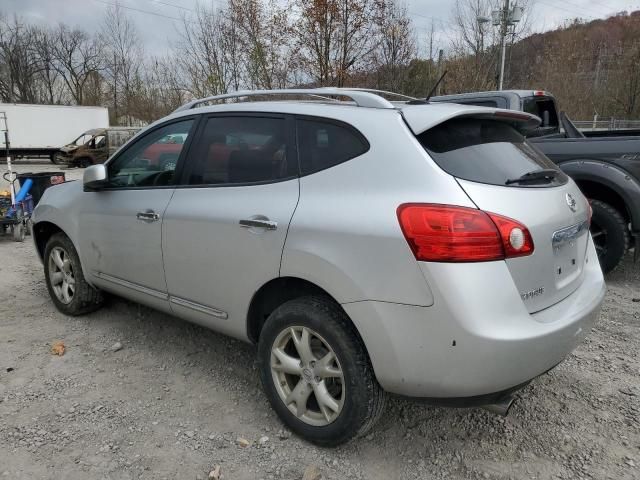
[[365, 246]]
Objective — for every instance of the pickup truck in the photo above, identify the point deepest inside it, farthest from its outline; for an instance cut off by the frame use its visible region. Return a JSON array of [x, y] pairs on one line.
[[605, 165]]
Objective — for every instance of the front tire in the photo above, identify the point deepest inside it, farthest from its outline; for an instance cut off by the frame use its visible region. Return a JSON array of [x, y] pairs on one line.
[[316, 372], [58, 159], [70, 292], [610, 234]]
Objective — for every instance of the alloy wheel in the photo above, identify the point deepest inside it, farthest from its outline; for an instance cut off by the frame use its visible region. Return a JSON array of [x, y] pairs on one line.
[[61, 275], [307, 376], [599, 236]]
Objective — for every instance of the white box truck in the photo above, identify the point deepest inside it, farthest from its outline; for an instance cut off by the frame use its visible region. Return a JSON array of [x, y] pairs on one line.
[[40, 130]]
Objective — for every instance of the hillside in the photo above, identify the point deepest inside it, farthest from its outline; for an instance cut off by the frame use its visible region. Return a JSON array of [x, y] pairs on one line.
[[591, 67]]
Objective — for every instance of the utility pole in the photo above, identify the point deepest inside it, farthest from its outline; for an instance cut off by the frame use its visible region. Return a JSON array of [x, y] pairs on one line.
[[505, 18], [504, 25], [438, 88]]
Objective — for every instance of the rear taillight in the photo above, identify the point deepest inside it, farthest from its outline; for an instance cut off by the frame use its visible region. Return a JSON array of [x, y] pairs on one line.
[[447, 233], [516, 239]]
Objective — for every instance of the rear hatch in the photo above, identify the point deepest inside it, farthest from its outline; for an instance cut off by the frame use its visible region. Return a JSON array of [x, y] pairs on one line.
[[502, 173]]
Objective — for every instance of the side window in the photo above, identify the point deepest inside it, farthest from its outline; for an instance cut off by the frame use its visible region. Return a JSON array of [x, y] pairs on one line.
[[149, 162], [98, 141], [324, 144], [239, 149]]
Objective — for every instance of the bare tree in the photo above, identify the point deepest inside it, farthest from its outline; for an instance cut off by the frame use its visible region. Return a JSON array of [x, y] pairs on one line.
[[396, 46], [335, 38], [265, 34], [123, 59], [627, 84], [161, 90], [473, 39], [76, 57], [210, 52], [43, 46], [18, 64]]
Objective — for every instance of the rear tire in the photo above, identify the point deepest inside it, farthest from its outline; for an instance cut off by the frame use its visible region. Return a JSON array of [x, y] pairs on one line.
[[70, 292], [356, 399], [610, 234]]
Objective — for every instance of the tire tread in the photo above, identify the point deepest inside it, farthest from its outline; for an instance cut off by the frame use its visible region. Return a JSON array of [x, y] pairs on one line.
[[611, 263], [86, 298], [353, 348]]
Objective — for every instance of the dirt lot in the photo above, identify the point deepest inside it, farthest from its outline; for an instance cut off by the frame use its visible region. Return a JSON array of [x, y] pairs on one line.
[[174, 400]]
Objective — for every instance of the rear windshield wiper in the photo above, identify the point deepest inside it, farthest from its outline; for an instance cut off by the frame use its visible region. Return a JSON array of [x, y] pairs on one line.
[[543, 174]]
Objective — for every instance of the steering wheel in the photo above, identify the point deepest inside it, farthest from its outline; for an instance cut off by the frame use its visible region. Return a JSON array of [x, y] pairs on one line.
[[162, 178], [569, 128]]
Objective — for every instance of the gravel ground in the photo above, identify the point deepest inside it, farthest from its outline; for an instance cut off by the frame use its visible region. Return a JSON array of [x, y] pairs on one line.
[[173, 401]]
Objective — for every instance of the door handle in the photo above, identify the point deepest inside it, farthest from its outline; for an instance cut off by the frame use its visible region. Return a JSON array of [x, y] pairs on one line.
[[148, 216], [257, 223]]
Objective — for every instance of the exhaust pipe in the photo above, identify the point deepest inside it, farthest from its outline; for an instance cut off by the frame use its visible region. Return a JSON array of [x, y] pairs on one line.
[[501, 407]]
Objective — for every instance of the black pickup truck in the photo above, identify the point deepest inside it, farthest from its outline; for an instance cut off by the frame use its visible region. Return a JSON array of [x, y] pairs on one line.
[[605, 165]]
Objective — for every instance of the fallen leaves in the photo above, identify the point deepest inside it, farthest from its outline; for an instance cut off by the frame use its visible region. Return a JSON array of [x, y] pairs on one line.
[[243, 442], [215, 473], [58, 348], [312, 473]]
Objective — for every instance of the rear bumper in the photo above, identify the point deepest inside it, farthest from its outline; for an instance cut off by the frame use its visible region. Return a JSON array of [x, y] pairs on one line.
[[477, 338]]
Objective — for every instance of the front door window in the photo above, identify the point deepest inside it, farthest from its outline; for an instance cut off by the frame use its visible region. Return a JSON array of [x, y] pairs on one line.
[[150, 161]]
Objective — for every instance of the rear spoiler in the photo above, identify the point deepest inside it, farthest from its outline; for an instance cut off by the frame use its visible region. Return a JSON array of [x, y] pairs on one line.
[[421, 118]]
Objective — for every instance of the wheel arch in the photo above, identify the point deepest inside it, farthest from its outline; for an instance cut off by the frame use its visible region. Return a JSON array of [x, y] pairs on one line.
[[599, 191], [42, 232], [276, 292], [608, 183]]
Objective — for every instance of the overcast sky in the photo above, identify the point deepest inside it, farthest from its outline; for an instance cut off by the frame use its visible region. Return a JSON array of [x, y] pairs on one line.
[[158, 20]]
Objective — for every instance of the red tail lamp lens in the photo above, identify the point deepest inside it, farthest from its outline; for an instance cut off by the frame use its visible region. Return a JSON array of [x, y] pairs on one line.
[[447, 233]]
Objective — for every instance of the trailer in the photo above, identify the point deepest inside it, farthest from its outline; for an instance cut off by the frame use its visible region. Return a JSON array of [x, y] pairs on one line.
[[40, 130]]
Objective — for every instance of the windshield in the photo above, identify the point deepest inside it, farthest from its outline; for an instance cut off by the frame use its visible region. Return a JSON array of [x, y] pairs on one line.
[[82, 139]]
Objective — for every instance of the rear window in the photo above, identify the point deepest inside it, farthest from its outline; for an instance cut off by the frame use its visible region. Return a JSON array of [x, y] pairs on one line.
[[542, 107], [485, 151]]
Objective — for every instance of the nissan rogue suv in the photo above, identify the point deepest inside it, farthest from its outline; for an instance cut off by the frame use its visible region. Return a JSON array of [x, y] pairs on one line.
[[365, 245]]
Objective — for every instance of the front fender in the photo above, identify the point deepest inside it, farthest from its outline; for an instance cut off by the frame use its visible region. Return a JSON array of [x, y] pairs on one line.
[[615, 178], [60, 206]]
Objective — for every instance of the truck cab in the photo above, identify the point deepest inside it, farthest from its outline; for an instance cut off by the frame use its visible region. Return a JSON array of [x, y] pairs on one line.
[[537, 102]]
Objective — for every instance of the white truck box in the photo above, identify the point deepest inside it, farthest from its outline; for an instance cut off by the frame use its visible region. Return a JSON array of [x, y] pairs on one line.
[[43, 129]]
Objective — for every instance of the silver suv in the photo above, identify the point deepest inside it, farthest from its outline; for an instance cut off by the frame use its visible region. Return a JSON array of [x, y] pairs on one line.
[[365, 245]]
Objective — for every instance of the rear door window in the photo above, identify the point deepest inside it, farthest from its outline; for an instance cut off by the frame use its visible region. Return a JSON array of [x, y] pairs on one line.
[[241, 149], [325, 143], [486, 151]]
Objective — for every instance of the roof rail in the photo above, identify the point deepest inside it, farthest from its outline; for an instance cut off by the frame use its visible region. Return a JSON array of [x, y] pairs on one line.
[[361, 97], [378, 92]]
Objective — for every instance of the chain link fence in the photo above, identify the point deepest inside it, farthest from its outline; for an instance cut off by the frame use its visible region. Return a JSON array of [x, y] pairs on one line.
[[607, 124]]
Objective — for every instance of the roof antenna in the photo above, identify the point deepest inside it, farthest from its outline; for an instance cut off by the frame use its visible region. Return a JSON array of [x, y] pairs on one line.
[[433, 90]]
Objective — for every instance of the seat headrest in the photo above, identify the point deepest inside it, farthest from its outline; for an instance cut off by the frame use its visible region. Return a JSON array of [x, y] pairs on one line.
[[249, 166]]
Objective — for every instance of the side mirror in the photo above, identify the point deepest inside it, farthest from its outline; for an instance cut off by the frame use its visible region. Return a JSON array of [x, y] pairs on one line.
[[94, 177]]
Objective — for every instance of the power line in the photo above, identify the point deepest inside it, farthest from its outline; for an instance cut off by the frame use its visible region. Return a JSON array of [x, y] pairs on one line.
[[171, 5], [582, 7], [573, 12], [119, 5]]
